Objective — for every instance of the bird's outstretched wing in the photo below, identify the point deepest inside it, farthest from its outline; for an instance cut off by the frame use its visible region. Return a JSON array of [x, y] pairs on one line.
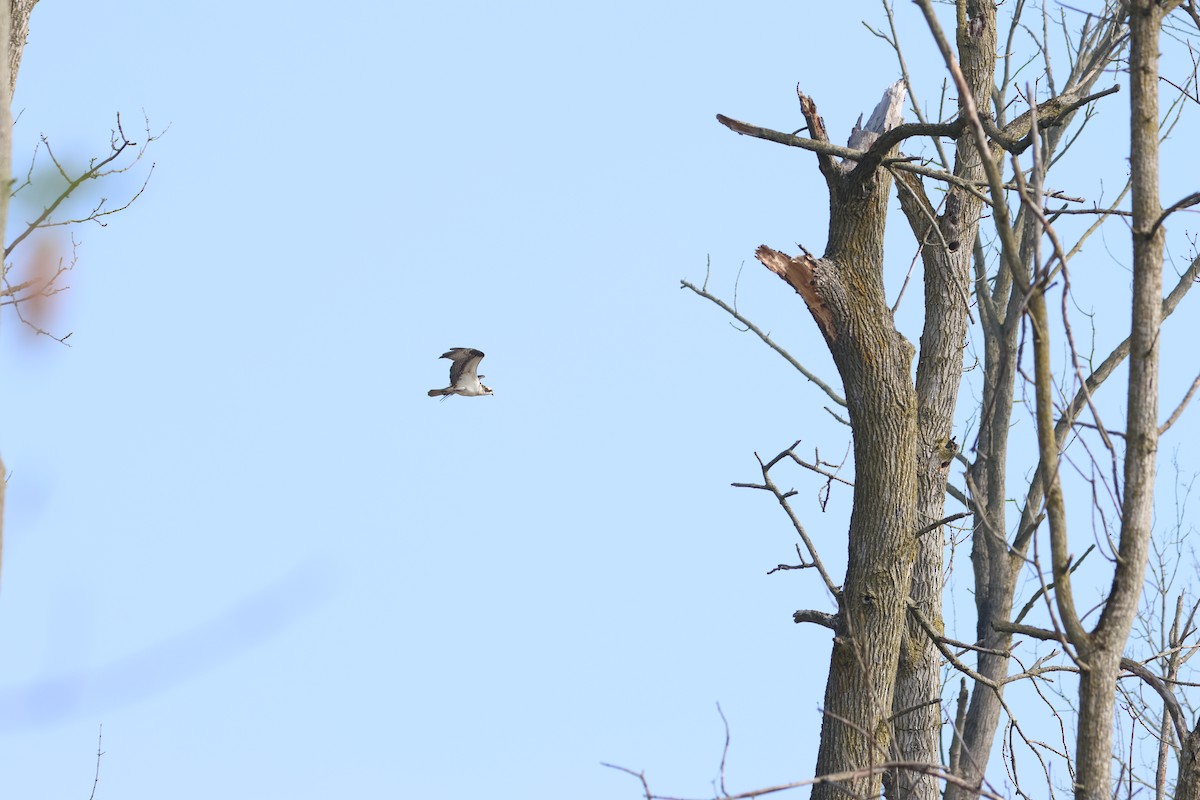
[[465, 365]]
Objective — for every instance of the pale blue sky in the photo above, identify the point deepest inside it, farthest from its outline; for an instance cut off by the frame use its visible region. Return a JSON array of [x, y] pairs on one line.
[[242, 538]]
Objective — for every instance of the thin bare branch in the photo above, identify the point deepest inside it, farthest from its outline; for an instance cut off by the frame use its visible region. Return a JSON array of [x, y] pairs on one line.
[[99, 754], [725, 749], [1187, 398], [825, 148], [96, 169], [733, 312], [943, 521], [641, 776], [782, 497]]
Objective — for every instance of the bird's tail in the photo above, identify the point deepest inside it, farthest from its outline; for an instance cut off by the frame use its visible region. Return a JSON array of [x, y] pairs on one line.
[[436, 392]]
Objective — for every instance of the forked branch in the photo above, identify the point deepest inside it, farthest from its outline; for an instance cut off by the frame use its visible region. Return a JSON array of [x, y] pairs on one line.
[[97, 169], [768, 485]]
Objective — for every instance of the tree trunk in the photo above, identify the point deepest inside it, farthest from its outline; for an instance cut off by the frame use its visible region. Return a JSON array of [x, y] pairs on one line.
[[946, 256], [1101, 651], [1187, 784], [17, 33], [8, 73], [995, 562], [844, 292]]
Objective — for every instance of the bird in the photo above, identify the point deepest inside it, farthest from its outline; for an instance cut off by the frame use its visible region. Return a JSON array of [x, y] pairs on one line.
[[464, 379], [944, 451]]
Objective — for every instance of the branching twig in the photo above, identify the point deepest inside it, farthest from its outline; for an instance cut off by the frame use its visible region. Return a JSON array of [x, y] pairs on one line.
[[641, 776], [769, 486], [96, 169]]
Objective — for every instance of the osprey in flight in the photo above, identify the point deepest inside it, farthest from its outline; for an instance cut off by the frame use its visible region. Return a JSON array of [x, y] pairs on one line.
[[464, 379]]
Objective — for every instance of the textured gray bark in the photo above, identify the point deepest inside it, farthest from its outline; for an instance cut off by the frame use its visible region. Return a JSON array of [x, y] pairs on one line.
[[1101, 649], [946, 257], [7, 72], [873, 360], [996, 561], [844, 293], [17, 34], [1187, 785]]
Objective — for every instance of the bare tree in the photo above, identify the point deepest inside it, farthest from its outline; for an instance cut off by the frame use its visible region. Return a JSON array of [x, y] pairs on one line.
[[884, 721]]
